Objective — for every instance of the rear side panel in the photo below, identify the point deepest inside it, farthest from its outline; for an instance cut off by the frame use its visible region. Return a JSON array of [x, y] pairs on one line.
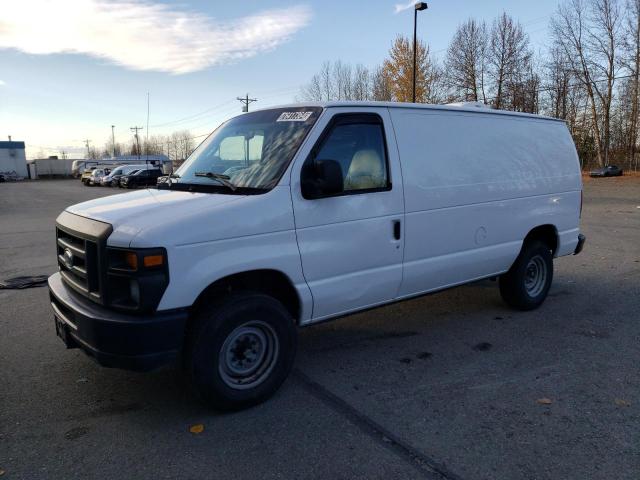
[[475, 185]]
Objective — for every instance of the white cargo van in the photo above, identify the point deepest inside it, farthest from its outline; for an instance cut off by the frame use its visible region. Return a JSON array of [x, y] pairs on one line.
[[289, 216]]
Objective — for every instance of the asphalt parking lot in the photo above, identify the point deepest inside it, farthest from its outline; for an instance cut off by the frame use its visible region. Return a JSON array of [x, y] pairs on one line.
[[453, 385]]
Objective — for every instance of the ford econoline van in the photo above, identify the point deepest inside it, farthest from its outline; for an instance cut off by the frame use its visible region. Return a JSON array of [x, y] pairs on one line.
[[290, 216]]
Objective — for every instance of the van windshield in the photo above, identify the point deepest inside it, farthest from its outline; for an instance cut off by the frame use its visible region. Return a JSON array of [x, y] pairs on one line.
[[250, 151]]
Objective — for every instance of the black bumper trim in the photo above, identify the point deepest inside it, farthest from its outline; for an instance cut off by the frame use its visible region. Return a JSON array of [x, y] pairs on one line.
[[580, 245], [114, 339]]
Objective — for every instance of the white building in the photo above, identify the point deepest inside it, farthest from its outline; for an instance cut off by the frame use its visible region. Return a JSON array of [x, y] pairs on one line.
[[13, 159]]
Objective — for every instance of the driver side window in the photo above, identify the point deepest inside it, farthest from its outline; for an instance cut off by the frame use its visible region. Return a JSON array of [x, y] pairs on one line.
[[356, 143]]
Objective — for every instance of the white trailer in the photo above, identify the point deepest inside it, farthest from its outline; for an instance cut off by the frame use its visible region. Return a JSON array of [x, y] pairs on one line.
[[52, 167]]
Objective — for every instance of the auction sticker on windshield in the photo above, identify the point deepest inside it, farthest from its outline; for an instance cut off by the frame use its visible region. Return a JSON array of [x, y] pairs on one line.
[[294, 116]]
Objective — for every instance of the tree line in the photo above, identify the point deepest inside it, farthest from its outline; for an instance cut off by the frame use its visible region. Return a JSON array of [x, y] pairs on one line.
[[177, 146], [588, 74]]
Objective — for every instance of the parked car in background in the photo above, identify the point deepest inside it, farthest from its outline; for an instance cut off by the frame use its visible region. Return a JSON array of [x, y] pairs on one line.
[[96, 176], [141, 178], [113, 179], [608, 171], [290, 216], [156, 161], [86, 174], [123, 177]]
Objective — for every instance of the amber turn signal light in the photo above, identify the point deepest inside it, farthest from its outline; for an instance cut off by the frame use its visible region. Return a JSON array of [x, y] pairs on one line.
[[131, 260], [153, 260]]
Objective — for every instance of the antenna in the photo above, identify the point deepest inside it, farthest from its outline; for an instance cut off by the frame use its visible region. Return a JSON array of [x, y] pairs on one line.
[[147, 140]]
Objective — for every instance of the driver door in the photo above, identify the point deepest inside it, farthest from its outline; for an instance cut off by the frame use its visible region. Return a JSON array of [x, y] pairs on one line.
[[351, 242]]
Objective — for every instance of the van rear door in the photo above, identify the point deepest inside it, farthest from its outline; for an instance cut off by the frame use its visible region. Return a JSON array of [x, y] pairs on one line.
[[351, 242]]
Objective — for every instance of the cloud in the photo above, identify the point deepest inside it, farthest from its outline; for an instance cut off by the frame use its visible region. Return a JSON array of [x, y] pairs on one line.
[[2, 83], [401, 7], [143, 35]]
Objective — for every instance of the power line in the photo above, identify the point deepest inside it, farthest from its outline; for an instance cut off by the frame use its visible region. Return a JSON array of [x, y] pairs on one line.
[[192, 116], [186, 119]]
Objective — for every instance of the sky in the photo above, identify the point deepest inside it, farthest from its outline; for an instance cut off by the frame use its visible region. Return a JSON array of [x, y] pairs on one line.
[[69, 69]]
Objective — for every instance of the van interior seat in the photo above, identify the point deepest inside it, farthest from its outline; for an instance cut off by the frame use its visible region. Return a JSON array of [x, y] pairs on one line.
[[365, 171]]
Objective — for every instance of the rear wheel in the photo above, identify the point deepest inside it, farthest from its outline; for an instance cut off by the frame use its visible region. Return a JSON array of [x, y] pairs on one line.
[[240, 350], [526, 285]]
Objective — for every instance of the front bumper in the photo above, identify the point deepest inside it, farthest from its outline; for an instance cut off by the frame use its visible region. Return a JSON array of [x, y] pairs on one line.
[[114, 339]]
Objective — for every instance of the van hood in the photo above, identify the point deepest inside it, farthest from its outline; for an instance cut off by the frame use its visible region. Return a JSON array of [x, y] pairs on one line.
[[166, 218], [131, 213]]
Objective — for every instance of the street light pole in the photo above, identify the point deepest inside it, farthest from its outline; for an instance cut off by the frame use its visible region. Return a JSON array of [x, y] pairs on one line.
[[418, 7], [113, 142]]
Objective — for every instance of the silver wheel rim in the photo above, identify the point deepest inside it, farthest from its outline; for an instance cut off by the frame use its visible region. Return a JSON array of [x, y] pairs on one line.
[[535, 276], [248, 355]]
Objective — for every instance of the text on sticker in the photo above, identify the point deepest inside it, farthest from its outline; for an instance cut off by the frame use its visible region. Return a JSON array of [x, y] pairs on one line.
[[294, 116]]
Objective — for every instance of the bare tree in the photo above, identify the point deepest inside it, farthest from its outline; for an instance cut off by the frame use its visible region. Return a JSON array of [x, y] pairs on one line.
[[589, 36], [154, 145], [381, 89], [508, 56], [524, 90], [180, 145], [630, 60], [334, 82], [361, 89], [559, 82], [94, 154], [313, 90], [466, 62], [343, 85], [326, 82]]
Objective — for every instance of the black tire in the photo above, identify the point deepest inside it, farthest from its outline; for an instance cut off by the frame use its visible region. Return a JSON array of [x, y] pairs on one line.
[[212, 360], [526, 285]]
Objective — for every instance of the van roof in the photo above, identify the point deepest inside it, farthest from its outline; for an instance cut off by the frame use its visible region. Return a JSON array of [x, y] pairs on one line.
[[474, 107]]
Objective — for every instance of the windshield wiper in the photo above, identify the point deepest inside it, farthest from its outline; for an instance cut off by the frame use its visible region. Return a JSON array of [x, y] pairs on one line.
[[223, 179]]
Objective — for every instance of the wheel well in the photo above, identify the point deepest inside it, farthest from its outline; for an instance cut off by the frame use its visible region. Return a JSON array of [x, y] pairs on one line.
[[270, 282], [547, 234]]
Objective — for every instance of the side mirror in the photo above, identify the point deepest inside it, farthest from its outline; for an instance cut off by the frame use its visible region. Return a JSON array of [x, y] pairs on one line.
[[321, 178]]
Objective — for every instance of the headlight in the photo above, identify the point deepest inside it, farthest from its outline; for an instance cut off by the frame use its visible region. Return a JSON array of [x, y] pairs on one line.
[[136, 278]]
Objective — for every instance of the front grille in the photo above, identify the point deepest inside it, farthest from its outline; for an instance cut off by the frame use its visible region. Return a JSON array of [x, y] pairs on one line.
[[80, 267], [80, 244]]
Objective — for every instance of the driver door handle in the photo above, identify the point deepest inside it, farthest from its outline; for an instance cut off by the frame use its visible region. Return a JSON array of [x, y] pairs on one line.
[[397, 229]]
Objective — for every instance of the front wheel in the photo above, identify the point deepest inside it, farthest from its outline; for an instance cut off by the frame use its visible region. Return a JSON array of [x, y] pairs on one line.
[[240, 350], [526, 285]]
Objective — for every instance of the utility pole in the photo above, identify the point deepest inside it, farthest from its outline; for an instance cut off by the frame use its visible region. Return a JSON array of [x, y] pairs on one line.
[[135, 130], [86, 142], [113, 142], [246, 101]]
